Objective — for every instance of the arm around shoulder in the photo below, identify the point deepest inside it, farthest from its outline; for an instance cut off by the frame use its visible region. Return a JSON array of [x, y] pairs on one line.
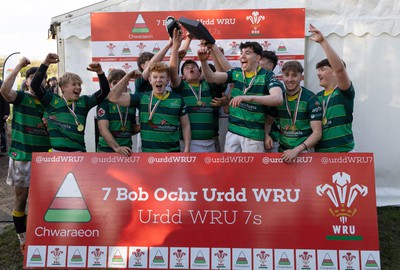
[[275, 98]]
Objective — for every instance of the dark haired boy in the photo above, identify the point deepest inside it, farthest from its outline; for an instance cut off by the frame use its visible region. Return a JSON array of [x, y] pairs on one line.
[[337, 99], [198, 96], [253, 89]]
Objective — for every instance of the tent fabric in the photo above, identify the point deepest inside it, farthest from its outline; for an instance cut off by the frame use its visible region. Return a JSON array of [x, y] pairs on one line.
[[372, 66], [80, 26], [364, 33], [357, 17]]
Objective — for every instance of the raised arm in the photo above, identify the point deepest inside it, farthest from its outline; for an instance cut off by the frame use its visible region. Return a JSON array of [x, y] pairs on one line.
[[335, 61], [6, 89], [220, 61], [158, 57], [40, 74], [185, 47], [104, 85], [118, 95], [174, 59], [212, 77]]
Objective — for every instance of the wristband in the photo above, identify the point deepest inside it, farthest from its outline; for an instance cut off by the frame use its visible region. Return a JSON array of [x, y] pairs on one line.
[[305, 146]]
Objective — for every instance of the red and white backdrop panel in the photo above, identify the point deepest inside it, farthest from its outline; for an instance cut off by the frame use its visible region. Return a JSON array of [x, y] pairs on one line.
[[117, 38], [202, 211]]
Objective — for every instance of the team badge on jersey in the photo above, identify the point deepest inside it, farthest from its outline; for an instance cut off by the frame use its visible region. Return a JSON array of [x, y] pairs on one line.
[[100, 112]]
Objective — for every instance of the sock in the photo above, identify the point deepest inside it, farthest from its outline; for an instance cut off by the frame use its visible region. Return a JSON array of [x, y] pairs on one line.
[[19, 219], [22, 238]]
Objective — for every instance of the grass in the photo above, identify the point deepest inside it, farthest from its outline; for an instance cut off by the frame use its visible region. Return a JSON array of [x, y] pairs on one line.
[[389, 241], [10, 256], [389, 237]]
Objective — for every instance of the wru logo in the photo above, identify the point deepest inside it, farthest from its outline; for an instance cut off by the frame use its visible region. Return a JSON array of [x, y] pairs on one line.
[[342, 194]]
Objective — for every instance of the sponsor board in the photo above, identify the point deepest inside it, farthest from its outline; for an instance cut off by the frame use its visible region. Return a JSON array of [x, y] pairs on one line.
[[180, 211]]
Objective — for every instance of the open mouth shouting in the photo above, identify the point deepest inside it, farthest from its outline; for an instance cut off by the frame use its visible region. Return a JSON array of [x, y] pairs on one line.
[[76, 93], [159, 88], [244, 65]]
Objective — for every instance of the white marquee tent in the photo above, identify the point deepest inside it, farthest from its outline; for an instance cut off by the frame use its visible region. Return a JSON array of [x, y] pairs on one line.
[[366, 33]]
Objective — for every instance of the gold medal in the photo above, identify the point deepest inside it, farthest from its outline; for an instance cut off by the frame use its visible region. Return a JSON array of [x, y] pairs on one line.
[[153, 110], [123, 120], [293, 116], [80, 127], [325, 106], [197, 95]]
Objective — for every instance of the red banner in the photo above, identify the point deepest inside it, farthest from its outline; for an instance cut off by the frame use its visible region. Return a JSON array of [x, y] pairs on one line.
[[118, 38], [202, 211], [227, 24]]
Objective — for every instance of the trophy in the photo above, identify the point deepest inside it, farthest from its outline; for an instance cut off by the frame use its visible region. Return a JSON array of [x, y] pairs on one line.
[[197, 29], [172, 24]]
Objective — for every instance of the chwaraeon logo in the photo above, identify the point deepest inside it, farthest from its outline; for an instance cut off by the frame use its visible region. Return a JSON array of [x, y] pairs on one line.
[[140, 26], [68, 204], [342, 195]]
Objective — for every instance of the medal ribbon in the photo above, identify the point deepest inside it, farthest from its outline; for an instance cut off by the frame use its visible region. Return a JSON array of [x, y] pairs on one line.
[[152, 111], [325, 105], [293, 119], [123, 124], [251, 82], [198, 97], [71, 111]]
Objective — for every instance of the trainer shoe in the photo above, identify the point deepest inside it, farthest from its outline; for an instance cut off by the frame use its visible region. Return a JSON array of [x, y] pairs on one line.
[[22, 248]]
